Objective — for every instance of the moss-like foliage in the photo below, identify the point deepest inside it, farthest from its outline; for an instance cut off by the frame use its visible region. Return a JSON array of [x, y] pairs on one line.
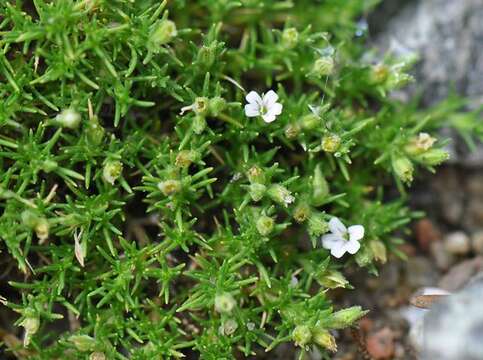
[[144, 215]]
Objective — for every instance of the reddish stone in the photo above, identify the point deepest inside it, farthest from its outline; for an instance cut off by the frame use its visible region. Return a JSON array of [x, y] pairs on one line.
[[380, 345], [426, 233]]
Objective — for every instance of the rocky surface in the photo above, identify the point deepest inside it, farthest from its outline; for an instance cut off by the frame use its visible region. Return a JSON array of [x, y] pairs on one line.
[[448, 37]]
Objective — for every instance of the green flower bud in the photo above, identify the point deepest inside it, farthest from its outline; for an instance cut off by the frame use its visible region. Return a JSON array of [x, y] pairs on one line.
[[320, 187], [94, 131], [257, 191], [69, 118], [325, 339], [403, 168], [310, 122], [280, 194], [364, 256], [419, 144], [49, 165], [433, 157], [207, 55], [290, 38], [163, 33], [200, 106], [301, 213], [292, 131], [331, 143], [217, 105], [346, 317], [317, 225], [379, 74], [379, 250], [256, 175], [199, 124], [31, 324], [186, 157], [29, 218], [97, 355], [333, 279], [224, 303], [265, 225], [301, 335], [169, 187], [42, 229], [83, 342], [112, 170], [323, 66]]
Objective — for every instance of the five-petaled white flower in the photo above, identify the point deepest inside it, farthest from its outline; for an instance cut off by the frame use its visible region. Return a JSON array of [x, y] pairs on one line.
[[342, 239], [265, 106]]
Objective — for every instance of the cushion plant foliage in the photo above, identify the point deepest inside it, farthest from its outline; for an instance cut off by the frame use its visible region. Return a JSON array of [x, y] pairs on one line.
[[191, 178]]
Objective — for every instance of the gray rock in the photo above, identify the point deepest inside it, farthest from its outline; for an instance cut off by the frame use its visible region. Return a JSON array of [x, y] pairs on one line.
[[457, 243], [442, 258], [448, 37], [420, 272], [477, 242], [453, 328]]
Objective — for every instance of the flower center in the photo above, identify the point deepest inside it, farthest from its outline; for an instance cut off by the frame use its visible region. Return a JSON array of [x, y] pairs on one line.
[[263, 109]]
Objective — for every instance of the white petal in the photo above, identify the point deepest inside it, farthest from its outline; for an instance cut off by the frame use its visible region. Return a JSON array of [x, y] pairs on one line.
[[252, 110], [275, 109], [352, 246], [338, 251], [270, 98], [356, 232], [336, 226], [331, 240], [268, 117], [253, 98]]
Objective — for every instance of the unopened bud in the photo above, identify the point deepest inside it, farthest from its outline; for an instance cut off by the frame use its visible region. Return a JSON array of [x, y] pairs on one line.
[[331, 143], [280, 194], [97, 355], [224, 303], [379, 250], [433, 157], [320, 187], [256, 175], [403, 168], [169, 187], [325, 339], [83, 342], [229, 327], [290, 38], [317, 225], [292, 131], [310, 122], [333, 279], [31, 325], [186, 157], [29, 218], [163, 33], [94, 131], [69, 118], [49, 165], [42, 229], [364, 256], [379, 74], [301, 335], [207, 55], [323, 66], [112, 170], [199, 124], [346, 317], [265, 225], [217, 105], [419, 144], [257, 191]]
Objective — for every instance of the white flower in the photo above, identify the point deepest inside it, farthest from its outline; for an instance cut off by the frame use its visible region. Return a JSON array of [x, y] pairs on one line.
[[265, 106], [342, 239]]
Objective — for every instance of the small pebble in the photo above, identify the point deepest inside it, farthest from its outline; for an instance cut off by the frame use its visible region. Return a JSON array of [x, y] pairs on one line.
[[426, 233], [380, 345], [457, 243], [477, 242], [442, 258]]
